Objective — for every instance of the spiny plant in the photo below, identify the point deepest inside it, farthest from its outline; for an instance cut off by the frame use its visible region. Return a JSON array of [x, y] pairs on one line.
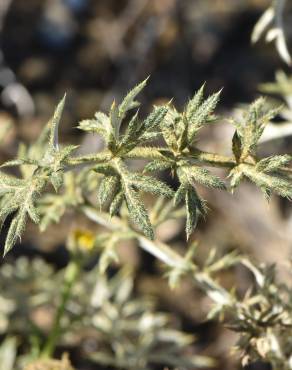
[[103, 187], [47, 163]]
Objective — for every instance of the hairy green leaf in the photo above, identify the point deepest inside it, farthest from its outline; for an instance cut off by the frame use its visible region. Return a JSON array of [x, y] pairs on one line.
[[194, 206], [202, 115], [151, 185], [129, 102], [279, 184], [100, 125], [137, 211], [194, 104], [116, 204], [107, 189], [54, 125], [273, 163], [250, 130], [157, 166], [204, 177]]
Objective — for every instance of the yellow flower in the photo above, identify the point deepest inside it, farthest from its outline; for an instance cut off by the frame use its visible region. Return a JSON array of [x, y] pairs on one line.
[[83, 239]]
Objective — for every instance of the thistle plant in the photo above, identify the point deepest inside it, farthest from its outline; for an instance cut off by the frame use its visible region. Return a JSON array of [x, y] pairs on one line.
[[103, 187], [47, 163]]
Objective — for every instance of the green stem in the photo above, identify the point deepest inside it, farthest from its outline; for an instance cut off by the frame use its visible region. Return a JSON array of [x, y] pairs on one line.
[[149, 153], [212, 159], [100, 157], [157, 153], [71, 273]]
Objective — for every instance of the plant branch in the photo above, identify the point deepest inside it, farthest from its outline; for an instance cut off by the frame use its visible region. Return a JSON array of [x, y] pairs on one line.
[[151, 153], [165, 254]]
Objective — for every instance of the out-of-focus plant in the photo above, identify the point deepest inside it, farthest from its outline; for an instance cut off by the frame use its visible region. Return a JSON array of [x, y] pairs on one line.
[[103, 187], [271, 25], [262, 318], [49, 364], [4, 129], [8, 351], [282, 88], [123, 331], [280, 91], [131, 335]]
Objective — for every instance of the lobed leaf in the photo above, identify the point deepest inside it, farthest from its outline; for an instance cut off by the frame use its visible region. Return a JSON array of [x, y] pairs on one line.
[[168, 128], [251, 129], [137, 211], [195, 206], [54, 125], [116, 204], [129, 102], [157, 165], [138, 132], [100, 125], [15, 230], [151, 185], [273, 163], [194, 104], [202, 115], [107, 189], [204, 177], [267, 183]]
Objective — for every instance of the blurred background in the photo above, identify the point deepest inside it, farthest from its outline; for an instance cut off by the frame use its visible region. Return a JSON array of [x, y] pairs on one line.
[[96, 50]]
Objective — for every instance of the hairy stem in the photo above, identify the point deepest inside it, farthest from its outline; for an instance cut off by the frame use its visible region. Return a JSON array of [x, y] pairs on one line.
[[151, 153], [100, 157], [212, 159]]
